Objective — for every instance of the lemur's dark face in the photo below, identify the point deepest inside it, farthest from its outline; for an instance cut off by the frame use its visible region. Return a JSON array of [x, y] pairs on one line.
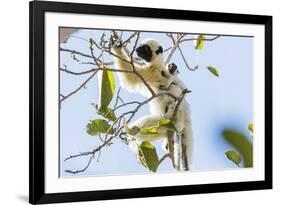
[[146, 51]]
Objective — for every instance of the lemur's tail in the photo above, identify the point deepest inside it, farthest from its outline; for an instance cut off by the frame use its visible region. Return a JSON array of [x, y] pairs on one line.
[[187, 145], [183, 149]]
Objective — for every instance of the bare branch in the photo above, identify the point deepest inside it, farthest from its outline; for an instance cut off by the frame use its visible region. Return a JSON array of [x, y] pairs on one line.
[[129, 39], [80, 170], [167, 49], [95, 43], [125, 104], [163, 158], [75, 52], [93, 70], [194, 39], [117, 98], [185, 61], [78, 73], [92, 153], [78, 155], [77, 89], [175, 44], [135, 45], [84, 55]]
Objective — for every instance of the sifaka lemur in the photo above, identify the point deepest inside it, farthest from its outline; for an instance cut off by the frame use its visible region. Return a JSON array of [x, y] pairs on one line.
[[160, 78]]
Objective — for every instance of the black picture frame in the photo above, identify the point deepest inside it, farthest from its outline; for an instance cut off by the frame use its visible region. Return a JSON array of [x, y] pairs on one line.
[[37, 9]]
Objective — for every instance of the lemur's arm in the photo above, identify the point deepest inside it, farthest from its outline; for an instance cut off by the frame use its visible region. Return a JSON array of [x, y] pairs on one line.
[[122, 62]]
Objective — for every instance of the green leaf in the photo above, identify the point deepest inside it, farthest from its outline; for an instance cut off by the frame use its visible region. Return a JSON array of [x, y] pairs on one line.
[[154, 129], [148, 156], [200, 42], [106, 87], [233, 156], [213, 70], [149, 130], [107, 113], [241, 144], [251, 128], [168, 124], [98, 126]]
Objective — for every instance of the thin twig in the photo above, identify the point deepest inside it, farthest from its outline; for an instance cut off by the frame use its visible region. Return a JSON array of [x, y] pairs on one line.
[[78, 73], [93, 70], [116, 101], [75, 52], [81, 86], [194, 39], [163, 158], [81, 170], [84, 55], [125, 104], [128, 40], [174, 46], [185, 61]]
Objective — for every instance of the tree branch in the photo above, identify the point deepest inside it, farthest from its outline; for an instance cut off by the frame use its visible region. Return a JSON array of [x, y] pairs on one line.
[[83, 54], [175, 44], [163, 158], [77, 89], [185, 61], [194, 39], [81, 170]]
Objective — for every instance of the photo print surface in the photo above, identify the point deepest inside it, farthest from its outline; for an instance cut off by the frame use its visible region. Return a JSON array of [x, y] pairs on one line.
[[139, 102]]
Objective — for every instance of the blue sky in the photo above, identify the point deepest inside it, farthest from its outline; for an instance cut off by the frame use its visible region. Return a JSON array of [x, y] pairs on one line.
[[215, 103]]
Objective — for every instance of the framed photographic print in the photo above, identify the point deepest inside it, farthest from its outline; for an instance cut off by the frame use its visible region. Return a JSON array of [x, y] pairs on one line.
[[140, 102]]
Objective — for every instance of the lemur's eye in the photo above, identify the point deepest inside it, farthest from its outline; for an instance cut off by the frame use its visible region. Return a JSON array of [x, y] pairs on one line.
[[159, 50]]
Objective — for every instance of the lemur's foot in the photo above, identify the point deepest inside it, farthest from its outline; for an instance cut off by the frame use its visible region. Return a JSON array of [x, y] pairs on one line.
[[172, 68], [115, 41]]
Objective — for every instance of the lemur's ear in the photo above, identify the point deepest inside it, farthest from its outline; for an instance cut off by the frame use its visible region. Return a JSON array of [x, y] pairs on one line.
[[159, 50]]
